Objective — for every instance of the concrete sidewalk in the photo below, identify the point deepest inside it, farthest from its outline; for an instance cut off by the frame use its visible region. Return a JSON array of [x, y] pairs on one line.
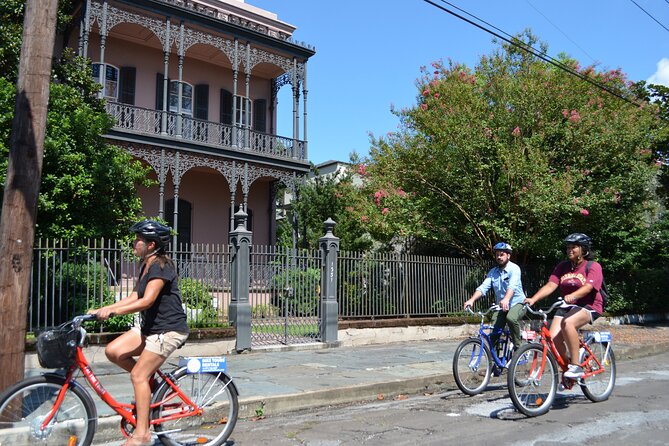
[[308, 376]]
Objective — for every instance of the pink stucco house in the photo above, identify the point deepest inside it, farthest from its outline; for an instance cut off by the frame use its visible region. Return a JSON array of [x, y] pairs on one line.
[[193, 87]]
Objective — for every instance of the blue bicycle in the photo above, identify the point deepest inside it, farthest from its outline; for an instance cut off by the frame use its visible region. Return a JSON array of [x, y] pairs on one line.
[[476, 359]]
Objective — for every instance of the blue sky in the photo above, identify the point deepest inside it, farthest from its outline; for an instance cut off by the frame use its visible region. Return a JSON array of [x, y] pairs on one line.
[[369, 52]]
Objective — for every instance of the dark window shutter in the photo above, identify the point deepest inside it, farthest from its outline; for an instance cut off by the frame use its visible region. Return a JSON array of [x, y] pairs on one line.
[[260, 115], [201, 102], [159, 91], [127, 85], [226, 107]]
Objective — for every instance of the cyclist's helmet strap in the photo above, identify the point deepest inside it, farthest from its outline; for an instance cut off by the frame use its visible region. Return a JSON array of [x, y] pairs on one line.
[[502, 246], [152, 231]]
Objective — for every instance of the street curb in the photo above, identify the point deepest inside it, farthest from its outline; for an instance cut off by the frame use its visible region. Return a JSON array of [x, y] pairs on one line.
[[279, 404], [633, 352]]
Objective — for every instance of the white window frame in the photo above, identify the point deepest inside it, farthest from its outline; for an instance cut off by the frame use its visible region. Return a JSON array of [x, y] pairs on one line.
[[109, 86], [243, 117], [186, 98]]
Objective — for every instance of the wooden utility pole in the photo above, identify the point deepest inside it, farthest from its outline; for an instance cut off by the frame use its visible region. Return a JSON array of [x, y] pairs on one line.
[[24, 171]]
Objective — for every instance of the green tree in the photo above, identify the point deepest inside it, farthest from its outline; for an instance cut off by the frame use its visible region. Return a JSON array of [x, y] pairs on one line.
[[88, 186], [518, 150], [334, 196], [11, 30]]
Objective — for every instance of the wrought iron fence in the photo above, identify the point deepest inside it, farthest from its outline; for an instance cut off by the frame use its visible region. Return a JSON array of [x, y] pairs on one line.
[[372, 285], [68, 278]]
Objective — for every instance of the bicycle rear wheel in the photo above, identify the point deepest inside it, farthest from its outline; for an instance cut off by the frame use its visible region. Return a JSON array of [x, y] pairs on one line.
[[26, 404], [472, 366], [532, 380], [599, 387], [214, 393]]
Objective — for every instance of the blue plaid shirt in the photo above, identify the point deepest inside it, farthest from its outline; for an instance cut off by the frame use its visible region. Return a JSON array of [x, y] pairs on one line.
[[501, 280]]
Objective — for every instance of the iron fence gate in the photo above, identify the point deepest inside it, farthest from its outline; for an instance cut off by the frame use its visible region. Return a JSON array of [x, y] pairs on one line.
[[285, 295]]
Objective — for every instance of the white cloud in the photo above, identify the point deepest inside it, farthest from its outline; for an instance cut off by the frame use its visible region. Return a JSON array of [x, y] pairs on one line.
[[661, 76]]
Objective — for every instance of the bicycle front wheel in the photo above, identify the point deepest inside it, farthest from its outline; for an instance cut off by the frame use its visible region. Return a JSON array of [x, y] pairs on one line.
[[532, 380], [213, 393], [599, 387], [25, 406], [472, 366]]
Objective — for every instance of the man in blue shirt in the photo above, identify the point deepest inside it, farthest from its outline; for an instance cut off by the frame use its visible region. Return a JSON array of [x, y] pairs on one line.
[[504, 279]]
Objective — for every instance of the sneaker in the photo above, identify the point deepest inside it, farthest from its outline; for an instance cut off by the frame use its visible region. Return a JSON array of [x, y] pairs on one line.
[[574, 372]]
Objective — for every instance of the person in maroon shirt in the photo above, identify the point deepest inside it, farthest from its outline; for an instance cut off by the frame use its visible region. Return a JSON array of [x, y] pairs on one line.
[[583, 302]]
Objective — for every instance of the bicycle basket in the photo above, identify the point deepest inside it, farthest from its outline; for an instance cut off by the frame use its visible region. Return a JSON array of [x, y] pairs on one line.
[[57, 348]]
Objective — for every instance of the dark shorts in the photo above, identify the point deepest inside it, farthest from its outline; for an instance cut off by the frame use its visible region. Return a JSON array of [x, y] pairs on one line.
[[573, 309]]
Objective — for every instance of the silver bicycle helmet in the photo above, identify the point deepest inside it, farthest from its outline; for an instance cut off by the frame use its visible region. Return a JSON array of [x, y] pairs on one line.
[[152, 231]]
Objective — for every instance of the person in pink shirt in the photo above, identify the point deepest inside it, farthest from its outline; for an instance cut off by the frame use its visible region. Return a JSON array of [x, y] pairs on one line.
[[583, 302]]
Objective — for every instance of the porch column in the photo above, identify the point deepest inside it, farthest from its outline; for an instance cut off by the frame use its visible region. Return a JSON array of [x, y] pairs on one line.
[[329, 245], [245, 189], [180, 118], [103, 43], [175, 218], [247, 101], [233, 193], [161, 185], [296, 92], [166, 67], [235, 72], [239, 311], [303, 155], [85, 30]]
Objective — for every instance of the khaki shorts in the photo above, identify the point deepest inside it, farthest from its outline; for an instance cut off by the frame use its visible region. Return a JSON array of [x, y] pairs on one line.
[[162, 344]]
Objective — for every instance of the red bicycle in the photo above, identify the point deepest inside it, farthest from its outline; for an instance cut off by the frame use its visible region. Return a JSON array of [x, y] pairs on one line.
[[193, 404], [533, 372]]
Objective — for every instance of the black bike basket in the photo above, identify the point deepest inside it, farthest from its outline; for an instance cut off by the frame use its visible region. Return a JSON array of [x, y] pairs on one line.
[[57, 348]]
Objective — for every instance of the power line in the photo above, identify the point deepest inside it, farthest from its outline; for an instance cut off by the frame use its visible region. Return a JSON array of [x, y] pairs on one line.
[[650, 15], [528, 48], [562, 32]]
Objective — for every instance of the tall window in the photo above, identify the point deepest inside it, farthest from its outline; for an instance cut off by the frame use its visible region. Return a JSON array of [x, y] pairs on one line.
[[226, 107], [109, 80], [184, 222], [260, 115], [186, 98], [243, 112]]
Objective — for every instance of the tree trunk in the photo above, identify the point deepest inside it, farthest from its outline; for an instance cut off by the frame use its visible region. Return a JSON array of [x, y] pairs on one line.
[[24, 170]]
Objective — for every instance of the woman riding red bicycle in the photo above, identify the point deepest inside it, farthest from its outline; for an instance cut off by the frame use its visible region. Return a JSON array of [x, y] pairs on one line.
[[580, 287], [163, 326]]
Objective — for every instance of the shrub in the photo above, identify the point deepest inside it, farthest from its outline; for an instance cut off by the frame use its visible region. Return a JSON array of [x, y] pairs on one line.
[[198, 303]]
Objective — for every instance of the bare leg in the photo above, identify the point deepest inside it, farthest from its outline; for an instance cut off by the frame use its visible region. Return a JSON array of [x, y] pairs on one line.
[[146, 366], [570, 326], [121, 350], [558, 339]]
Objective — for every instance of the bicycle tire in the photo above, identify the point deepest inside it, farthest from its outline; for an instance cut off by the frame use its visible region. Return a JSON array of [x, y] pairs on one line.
[[471, 366], [530, 395], [24, 405], [215, 393], [599, 387]]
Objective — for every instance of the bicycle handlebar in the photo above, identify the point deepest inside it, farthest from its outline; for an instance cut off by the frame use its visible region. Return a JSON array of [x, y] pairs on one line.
[[544, 313], [468, 309]]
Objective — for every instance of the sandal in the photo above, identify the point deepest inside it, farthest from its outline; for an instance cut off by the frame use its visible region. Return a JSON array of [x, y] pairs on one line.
[[132, 442]]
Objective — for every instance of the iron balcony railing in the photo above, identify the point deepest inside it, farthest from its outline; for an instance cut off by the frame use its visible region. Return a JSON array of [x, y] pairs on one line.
[[148, 121]]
